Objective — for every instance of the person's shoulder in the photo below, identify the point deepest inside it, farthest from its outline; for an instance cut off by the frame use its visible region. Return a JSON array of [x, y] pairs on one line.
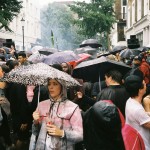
[[70, 104]]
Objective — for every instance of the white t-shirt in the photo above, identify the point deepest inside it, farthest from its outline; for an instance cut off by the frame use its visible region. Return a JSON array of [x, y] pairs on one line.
[[136, 117]]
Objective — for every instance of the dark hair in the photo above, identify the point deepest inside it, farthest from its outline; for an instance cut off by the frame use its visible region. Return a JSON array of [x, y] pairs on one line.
[[2, 57], [12, 64], [8, 62], [133, 84], [57, 66], [69, 71], [115, 75], [22, 53], [5, 68]]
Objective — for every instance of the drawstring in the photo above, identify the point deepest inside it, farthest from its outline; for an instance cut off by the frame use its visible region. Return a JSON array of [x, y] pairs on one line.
[[50, 109]]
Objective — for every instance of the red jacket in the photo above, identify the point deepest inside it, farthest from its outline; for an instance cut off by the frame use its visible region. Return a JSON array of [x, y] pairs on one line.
[[145, 68]]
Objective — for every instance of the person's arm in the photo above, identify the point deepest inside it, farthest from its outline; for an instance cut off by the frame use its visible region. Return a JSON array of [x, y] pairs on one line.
[[147, 125], [146, 103], [86, 99]]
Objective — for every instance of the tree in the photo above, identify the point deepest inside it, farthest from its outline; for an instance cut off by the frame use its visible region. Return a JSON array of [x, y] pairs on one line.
[[94, 18], [58, 19], [8, 10]]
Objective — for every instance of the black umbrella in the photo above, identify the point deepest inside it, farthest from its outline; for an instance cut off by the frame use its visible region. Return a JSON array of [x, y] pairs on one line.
[[91, 42], [128, 52], [93, 69]]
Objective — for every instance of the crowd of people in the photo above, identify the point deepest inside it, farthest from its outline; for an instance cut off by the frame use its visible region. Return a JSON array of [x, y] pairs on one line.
[[74, 118]]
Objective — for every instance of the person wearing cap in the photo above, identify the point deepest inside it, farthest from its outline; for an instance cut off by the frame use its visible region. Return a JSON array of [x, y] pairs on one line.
[[136, 61], [136, 116], [139, 62]]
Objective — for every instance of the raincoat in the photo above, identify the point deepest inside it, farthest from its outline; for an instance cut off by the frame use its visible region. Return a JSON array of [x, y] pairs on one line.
[[66, 115]]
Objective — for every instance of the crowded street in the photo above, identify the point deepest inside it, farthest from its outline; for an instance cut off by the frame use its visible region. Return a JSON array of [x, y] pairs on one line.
[[75, 75]]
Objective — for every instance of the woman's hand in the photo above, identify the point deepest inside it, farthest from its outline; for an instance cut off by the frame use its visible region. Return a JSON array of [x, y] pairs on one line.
[[55, 131], [79, 95], [36, 116]]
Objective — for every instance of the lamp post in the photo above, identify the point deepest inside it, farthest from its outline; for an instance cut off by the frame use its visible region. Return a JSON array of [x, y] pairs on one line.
[[23, 23]]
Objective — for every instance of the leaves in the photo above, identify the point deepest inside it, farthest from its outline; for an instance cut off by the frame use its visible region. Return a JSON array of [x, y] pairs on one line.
[[8, 10], [95, 17]]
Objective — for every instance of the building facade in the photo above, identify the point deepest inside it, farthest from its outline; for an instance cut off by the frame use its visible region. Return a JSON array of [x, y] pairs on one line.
[[138, 20], [117, 36], [32, 30]]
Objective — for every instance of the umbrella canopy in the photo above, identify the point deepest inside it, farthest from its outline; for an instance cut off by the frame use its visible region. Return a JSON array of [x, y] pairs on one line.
[[91, 42], [35, 49], [82, 56], [60, 57], [37, 74], [128, 52], [93, 69], [86, 49], [36, 58], [117, 49], [47, 51], [103, 54]]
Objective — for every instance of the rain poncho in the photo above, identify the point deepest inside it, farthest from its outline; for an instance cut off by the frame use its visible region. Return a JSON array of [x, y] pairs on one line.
[[65, 115]]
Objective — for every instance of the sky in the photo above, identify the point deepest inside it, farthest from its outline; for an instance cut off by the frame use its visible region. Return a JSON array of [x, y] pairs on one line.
[[44, 2]]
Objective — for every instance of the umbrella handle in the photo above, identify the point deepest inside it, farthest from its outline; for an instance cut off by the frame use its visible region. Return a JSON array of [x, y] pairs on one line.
[[99, 82], [38, 96]]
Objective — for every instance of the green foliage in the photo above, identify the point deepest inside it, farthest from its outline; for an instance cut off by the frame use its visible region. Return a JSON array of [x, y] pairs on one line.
[[95, 17], [58, 18], [8, 10]]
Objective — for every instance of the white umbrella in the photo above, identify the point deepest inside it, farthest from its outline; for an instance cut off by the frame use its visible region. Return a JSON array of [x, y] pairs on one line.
[[38, 74]]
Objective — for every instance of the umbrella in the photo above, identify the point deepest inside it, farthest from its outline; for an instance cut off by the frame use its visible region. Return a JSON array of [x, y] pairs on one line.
[[86, 49], [128, 52], [36, 58], [47, 51], [60, 57], [90, 42], [35, 49], [82, 56], [103, 54], [117, 49], [94, 69], [37, 74]]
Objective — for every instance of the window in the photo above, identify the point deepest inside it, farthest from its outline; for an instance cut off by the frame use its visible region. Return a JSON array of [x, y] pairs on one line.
[[124, 2], [140, 38]]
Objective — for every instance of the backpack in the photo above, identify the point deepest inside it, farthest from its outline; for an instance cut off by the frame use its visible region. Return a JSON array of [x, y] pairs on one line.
[[132, 139]]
